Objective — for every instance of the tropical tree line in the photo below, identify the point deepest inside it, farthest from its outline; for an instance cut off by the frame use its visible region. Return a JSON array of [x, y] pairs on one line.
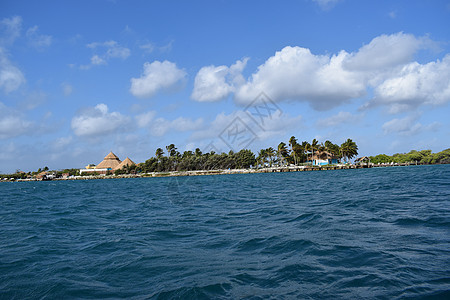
[[293, 153], [296, 153], [422, 157], [173, 160]]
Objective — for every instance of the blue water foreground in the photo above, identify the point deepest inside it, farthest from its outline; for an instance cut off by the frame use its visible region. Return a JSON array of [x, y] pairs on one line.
[[347, 234]]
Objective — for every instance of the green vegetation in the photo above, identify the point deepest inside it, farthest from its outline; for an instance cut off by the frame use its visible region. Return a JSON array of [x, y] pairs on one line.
[[296, 154], [17, 175], [422, 157], [189, 161], [71, 172], [293, 153]]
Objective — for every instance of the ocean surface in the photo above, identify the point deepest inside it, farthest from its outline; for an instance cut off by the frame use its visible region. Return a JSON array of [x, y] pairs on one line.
[[379, 233]]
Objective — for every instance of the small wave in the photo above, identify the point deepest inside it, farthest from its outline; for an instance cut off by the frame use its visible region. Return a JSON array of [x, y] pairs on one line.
[[305, 218], [211, 291]]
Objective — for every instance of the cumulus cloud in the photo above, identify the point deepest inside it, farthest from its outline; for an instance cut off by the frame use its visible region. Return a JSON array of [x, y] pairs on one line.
[[12, 123], [98, 121], [37, 40], [157, 76], [407, 126], [386, 52], [327, 81], [10, 76], [415, 84], [343, 117], [294, 73], [217, 83], [10, 30]]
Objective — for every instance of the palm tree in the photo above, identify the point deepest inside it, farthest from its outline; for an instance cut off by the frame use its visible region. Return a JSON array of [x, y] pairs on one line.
[[171, 150], [349, 149], [187, 154], [262, 154], [314, 146], [159, 153], [305, 147], [298, 151], [320, 150], [292, 143], [282, 152], [271, 153]]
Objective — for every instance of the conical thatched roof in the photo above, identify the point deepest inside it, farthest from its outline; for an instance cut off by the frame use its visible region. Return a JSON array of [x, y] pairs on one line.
[[111, 156], [110, 161], [126, 162]]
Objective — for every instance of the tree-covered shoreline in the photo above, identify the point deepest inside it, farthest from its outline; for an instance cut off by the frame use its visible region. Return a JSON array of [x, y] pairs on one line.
[[292, 153], [414, 156]]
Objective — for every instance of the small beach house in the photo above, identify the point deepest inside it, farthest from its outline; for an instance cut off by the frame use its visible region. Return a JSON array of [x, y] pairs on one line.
[[322, 158]]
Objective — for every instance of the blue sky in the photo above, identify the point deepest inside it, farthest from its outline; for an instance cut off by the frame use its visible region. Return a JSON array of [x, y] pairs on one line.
[[81, 78]]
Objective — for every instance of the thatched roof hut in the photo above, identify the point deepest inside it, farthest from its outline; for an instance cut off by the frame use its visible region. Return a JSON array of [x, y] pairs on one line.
[[362, 159], [111, 161], [126, 162]]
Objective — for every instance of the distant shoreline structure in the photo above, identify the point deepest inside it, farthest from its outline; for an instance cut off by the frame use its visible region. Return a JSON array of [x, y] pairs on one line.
[[243, 162], [232, 171]]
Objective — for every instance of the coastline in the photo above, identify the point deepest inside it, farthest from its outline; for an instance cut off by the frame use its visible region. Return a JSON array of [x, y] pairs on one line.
[[225, 172]]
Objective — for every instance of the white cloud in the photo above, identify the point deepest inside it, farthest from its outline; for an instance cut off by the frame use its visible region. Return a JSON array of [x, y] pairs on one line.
[[327, 81], [386, 52], [294, 73], [10, 30], [157, 76], [12, 123], [407, 126], [160, 126], [148, 47], [10, 76], [113, 49], [415, 84], [144, 120], [97, 121], [217, 83], [33, 99], [326, 4], [110, 50], [343, 117], [62, 142], [97, 60], [39, 41]]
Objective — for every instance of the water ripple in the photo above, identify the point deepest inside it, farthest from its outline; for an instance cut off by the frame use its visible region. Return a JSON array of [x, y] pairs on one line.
[[346, 234]]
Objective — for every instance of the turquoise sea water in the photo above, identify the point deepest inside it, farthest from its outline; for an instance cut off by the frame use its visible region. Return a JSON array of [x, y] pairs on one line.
[[346, 234]]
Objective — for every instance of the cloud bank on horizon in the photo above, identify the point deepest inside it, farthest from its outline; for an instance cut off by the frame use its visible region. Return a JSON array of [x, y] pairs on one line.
[[68, 98], [327, 81]]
